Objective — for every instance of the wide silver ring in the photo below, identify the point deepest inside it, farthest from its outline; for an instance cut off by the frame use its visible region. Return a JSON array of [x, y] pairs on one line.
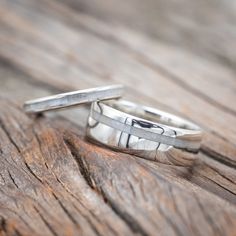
[[141, 130], [73, 98]]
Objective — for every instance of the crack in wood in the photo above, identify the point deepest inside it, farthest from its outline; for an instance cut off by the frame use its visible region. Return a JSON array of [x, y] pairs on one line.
[[128, 219], [125, 216], [32, 173], [3, 224], [221, 186], [50, 228], [4, 228], [223, 159], [70, 216], [2, 125], [81, 163], [13, 180]]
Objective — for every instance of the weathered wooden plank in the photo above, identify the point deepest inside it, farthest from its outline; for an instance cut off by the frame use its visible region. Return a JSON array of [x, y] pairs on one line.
[[232, 152], [102, 66], [203, 27], [14, 80], [218, 180], [174, 63], [68, 185], [53, 182], [168, 60], [42, 185]]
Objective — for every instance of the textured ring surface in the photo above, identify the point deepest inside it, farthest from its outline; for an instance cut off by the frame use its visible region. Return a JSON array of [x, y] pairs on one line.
[[73, 98]]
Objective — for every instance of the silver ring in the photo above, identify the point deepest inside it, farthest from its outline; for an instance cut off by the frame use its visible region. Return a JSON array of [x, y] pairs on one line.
[[73, 98], [140, 130]]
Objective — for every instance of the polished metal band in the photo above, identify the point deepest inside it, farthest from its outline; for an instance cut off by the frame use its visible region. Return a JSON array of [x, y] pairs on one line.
[[73, 98], [140, 130]]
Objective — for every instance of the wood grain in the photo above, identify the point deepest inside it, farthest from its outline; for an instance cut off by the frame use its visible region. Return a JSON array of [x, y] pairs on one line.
[[203, 27], [54, 182]]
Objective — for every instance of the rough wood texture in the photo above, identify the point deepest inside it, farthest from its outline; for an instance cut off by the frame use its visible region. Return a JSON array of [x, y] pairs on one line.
[[53, 182]]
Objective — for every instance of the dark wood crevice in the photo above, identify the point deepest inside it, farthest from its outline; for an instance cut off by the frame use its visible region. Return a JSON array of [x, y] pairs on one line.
[[85, 172], [70, 216], [81, 163], [218, 156], [51, 229], [3, 127], [130, 221], [13, 180]]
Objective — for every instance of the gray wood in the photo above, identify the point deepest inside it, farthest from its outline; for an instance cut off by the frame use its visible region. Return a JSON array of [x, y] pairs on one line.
[[54, 182]]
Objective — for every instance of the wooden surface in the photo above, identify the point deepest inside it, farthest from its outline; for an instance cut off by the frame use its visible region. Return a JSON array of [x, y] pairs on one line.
[[53, 182]]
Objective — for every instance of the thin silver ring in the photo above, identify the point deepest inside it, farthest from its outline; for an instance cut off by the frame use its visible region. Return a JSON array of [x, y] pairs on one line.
[[140, 130], [73, 98]]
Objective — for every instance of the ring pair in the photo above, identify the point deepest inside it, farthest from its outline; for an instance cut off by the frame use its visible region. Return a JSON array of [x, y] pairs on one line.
[[129, 127]]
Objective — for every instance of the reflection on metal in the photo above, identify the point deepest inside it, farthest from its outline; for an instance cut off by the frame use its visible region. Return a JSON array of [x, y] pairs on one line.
[[141, 130]]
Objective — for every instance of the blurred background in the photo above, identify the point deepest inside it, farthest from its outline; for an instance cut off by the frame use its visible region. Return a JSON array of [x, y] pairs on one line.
[[181, 47], [207, 27]]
